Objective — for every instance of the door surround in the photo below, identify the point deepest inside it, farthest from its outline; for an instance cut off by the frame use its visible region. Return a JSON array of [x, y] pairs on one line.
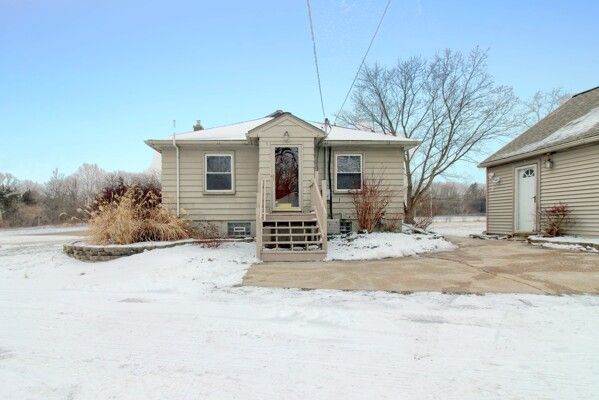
[[273, 196], [516, 221]]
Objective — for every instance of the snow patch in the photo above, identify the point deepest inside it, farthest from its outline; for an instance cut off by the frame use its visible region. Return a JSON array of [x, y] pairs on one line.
[[566, 239], [570, 131], [379, 245]]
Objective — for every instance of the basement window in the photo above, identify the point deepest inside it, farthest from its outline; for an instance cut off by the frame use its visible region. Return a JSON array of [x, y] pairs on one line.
[[345, 226], [218, 176], [239, 229]]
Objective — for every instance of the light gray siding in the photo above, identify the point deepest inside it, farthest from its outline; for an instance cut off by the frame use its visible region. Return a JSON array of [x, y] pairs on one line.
[[573, 179]]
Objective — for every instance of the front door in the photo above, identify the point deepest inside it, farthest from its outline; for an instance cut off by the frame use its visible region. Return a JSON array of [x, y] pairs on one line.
[[287, 167], [526, 198]]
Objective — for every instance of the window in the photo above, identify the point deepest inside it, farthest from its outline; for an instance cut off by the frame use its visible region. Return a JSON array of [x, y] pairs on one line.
[[348, 169], [239, 229], [345, 226], [219, 173], [528, 173]]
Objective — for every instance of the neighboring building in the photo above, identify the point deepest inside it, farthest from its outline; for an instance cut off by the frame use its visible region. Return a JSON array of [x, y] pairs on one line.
[[555, 161], [269, 178]]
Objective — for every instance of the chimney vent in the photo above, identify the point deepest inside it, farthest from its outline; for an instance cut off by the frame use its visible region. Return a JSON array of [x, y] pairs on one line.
[[198, 126]]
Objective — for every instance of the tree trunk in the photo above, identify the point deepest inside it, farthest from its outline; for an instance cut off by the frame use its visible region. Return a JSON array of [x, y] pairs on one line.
[[409, 210]]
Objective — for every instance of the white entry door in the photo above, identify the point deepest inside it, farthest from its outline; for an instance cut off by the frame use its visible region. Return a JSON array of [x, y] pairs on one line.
[[526, 198]]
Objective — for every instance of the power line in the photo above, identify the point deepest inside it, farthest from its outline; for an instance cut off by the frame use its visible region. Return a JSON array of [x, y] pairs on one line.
[[315, 58], [363, 59]]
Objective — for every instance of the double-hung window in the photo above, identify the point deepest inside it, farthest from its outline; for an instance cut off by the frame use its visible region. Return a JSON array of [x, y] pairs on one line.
[[218, 173], [348, 171]]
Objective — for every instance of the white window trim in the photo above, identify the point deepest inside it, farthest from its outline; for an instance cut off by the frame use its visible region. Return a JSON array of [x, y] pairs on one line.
[[212, 191], [337, 190]]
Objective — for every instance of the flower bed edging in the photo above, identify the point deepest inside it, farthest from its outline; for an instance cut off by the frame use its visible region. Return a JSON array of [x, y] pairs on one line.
[[93, 253]]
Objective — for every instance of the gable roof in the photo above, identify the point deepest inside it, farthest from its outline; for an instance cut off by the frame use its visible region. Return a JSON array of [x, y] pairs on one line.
[[277, 117], [573, 123], [238, 132]]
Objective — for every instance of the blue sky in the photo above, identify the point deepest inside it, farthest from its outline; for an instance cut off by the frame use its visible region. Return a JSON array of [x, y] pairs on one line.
[[89, 81]]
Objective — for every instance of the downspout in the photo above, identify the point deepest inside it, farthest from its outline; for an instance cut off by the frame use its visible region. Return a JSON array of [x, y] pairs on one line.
[[330, 184], [176, 146]]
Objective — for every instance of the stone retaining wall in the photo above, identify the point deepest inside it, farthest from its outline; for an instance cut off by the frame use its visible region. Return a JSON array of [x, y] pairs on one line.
[[92, 253]]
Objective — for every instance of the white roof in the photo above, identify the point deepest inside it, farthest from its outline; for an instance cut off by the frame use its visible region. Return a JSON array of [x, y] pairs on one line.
[[226, 132], [239, 131], [349, 134]]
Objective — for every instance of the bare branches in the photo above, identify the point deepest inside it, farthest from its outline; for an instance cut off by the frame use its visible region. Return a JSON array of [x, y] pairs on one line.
[[370, 202], [450, 103], [542, 103]]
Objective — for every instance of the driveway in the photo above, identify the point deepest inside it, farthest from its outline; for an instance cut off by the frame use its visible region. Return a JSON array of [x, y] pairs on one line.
[[477, 266]]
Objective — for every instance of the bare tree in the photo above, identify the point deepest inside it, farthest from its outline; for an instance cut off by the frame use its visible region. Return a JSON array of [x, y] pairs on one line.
[[9, 195], [450, 103], [90, 180], [60, 197], [542, 103]]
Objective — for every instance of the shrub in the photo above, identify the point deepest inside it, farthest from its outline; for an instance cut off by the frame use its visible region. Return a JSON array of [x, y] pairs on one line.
[[423, 222], [136, 215], [148, 194], [554, 218], [209, 234], [371, 202]]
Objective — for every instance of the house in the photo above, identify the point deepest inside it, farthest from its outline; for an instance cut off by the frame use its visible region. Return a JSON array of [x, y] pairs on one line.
[[282, 179], [555, 161]]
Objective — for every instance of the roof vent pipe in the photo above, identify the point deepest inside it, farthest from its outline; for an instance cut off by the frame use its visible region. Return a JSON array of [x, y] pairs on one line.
[[327, 126], [198, 126]]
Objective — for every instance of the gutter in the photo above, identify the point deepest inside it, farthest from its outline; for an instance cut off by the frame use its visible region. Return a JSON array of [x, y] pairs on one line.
[[164, 143], [407, 144]]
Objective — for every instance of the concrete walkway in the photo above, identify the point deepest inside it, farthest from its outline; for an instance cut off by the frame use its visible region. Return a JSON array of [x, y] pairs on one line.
[[477, 266]]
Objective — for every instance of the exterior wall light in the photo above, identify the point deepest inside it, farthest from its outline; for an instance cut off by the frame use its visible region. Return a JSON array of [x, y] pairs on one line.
[[548, 163], [494, 178], [286, 136]]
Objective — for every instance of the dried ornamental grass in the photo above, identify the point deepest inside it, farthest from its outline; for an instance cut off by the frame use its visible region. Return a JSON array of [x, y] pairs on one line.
[[129, 218]]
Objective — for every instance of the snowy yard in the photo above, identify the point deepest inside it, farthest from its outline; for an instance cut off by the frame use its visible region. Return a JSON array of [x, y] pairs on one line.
[[173, 323], [464, 226]]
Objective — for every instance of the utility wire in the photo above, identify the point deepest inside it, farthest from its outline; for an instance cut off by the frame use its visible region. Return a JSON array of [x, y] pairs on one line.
[[324, 116], [363, 60]]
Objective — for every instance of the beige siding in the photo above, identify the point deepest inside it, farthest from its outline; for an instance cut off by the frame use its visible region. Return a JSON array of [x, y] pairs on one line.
[[299, 136], [500, 196], [574, 180], [252, 162], [198, 205], [385, 161]]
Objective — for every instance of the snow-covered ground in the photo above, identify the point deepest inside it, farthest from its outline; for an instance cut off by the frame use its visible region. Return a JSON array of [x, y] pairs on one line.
[[576, 243], [379, 245], [173, 323], [459, 225]]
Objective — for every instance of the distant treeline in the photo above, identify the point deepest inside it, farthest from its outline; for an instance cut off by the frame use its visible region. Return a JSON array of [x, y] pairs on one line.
[[62, 199], [453, 198]]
